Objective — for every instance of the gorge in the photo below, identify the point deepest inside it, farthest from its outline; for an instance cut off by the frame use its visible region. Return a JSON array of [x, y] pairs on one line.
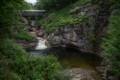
[[60, 40], [76, 43], [73, 49]]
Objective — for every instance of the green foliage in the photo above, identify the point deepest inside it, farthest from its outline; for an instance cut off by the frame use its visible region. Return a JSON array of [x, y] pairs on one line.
[[114, 3], [53, 4], [16, 64], [112, 44], [28, 6], [9, 16], [21, 32], [41, 68], [11, 57], [24, 36], [63, 17], [82, 2]]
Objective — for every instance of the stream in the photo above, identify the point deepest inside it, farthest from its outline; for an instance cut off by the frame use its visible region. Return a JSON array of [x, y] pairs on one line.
[[80, 66]]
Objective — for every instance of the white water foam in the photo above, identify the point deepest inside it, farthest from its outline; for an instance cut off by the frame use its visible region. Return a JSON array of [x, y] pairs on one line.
[[41, 44]]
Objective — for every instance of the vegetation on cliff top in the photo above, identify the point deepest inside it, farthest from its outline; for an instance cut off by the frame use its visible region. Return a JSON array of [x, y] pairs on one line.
[[63, 16]]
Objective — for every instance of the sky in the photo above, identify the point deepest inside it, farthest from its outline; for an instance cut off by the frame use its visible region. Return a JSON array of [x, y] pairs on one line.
[[31, 1]]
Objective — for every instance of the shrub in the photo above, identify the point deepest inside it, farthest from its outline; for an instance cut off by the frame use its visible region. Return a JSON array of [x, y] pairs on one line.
[[112, 44], [38, 68], [16, 64], [24, 36]]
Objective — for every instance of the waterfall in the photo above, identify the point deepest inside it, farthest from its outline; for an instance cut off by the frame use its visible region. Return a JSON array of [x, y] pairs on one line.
[[41, 44]]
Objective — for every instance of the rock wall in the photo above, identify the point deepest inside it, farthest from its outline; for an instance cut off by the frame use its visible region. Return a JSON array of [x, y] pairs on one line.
[[86, 36], [78, 36]]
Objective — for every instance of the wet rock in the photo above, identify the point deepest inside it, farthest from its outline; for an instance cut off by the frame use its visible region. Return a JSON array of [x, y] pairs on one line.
[[82, 74]]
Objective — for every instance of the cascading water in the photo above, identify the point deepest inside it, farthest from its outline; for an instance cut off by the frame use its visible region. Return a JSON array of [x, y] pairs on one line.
[[41, 48], [41, 44]]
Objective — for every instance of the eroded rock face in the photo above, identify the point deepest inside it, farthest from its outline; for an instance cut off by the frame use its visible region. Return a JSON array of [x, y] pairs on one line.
[[79, 36]]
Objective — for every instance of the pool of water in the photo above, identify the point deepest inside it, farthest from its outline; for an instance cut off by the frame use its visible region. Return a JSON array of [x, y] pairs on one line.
[[79, 63], [74, 59]]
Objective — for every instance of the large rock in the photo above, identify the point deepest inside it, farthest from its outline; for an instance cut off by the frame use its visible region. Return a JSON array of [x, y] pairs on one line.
[[79, 36]]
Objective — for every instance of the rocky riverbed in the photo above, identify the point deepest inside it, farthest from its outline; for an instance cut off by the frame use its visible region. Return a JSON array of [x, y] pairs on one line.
[[82, 74]]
